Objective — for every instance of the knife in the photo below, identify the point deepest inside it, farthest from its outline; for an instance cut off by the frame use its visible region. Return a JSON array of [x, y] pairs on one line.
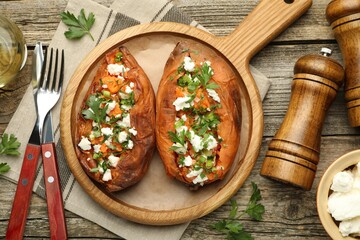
[[52, 184], [27, 176]]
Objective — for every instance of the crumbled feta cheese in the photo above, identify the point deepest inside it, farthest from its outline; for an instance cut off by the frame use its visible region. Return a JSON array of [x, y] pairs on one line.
[[88, 159], [128, 89], [94, 124], [130, 144], [211, 143], [84, 143], [180, 149], [188, 161], [183, 117], [101, 170], [104, 86], [107, 175], [133, 131], [213, 94], [110, 106], [189, 64], [126, 107], [132, 85], [196, 141], [342, 181], [123, 95], [108, 142], [106, 131], [196, 79], [113, 160], [182, 102], [181, 128], [125, 122], [107, 119], [343, 206], [194, 173], [116, 69], [200, 180], [122, 136], [97, 148], [351, 226]]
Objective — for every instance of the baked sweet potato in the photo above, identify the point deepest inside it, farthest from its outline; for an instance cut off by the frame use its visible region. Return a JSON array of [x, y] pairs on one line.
[[115, 131], [197, 115]]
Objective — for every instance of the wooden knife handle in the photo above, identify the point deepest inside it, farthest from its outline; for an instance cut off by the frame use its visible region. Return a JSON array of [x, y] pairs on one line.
[[23, 193], [53, 192]]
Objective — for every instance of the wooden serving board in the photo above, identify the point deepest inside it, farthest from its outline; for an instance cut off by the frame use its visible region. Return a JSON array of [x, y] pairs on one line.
[[157, 199]]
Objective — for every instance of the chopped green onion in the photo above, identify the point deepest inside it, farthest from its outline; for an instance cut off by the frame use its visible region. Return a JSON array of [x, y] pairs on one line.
[[118, 57], [106, 93]]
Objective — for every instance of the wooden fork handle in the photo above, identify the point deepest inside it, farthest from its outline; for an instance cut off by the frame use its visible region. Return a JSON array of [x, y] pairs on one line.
[[23, 193], [53, 192]]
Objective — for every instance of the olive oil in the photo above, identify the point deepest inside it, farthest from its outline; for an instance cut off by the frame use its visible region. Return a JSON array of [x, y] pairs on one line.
[[13, 52]]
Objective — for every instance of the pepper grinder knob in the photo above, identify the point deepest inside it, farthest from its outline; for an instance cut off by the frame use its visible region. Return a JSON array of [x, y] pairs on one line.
[[293, 153], [344, 17]]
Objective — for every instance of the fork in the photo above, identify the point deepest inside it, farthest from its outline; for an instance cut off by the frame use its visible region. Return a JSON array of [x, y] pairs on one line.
[[47, 96]]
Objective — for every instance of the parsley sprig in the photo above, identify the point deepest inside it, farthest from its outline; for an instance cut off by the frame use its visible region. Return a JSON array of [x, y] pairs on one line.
[[79, 26], [8, 146], [95, 112], [235, 229]]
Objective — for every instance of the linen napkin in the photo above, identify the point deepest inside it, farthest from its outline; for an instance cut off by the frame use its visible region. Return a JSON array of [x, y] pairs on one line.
[[120, 15]]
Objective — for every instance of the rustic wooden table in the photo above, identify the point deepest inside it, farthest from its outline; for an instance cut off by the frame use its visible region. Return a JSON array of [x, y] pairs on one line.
[[290, 213]]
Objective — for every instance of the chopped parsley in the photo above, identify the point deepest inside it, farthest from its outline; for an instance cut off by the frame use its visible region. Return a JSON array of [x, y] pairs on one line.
[[95, 112], [201, 129]]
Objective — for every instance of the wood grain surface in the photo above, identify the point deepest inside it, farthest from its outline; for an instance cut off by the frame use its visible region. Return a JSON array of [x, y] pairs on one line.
[[290, 212]]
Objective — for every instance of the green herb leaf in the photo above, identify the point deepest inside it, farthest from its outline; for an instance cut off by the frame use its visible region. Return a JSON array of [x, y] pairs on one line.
[[177, 138], [233, 229], [95, 112], [206, 73], [255, 210], [9, 145], [212, 85], [4, 168], [79, 26], [240, 236], [130, 101], [234, 209]]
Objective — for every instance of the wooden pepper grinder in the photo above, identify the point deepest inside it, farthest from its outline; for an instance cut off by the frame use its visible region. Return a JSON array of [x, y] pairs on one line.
[[293, 154], [344, 17]]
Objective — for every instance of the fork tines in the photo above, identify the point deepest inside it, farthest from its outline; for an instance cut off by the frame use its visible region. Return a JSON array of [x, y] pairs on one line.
[[52, 79]]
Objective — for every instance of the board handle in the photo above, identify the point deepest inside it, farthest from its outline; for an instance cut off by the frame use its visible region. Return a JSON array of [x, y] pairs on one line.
[[262, 25]]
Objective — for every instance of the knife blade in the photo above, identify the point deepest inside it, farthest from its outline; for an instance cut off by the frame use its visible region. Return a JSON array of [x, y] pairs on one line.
[[23, 192]]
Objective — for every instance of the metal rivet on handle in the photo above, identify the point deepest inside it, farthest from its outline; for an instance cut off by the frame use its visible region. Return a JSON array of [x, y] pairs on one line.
[[50, 179], [29, 156], [47, 154], [24, 181]]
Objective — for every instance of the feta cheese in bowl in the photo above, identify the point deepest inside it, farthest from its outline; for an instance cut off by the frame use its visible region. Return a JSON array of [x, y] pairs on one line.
[[338, 197]]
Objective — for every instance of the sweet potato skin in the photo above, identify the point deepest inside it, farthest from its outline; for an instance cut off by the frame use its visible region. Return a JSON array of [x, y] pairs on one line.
[[230, 112], [134, 162]]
